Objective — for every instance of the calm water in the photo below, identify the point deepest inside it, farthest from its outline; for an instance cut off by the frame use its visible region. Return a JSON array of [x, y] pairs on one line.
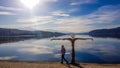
[[101, 50]]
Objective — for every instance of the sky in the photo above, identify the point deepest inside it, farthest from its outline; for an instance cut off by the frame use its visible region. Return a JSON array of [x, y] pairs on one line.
[[60, 15]]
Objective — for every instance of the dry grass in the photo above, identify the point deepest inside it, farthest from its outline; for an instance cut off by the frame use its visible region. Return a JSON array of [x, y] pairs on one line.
[[9, 64]]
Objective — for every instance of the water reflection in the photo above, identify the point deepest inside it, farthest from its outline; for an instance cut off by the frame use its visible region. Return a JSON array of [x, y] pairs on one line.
[[100, 50]]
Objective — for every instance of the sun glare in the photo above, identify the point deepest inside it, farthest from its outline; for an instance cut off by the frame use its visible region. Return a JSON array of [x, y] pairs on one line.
[[30, 3]]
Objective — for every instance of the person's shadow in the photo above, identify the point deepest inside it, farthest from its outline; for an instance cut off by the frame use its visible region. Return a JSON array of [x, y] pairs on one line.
[[76, 64], [67, 65]]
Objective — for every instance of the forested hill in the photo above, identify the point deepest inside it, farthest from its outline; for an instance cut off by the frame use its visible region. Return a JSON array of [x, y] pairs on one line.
[[113, 32], [17, 32]]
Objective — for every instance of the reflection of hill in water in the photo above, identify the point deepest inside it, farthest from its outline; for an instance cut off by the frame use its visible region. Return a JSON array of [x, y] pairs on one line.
[[13, 35], [14, 39], [21, 38]]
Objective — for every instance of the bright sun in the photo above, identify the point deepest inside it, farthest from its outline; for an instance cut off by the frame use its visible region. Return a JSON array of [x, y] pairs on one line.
[[30, 3]]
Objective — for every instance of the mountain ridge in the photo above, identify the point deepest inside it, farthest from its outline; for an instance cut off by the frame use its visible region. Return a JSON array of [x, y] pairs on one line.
[[16, 32], [112, 32]]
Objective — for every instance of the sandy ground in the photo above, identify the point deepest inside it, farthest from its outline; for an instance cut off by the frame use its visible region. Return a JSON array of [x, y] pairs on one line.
[[11, 64]]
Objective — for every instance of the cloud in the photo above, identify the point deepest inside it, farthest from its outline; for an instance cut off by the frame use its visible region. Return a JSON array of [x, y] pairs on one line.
[[10, 8], [6, 13], [51, 0], [73, 10], [80, 2], [47, 1], [34, 23], [7, 57], [60, 13], [105, 14], [7, 10], [36, 20]]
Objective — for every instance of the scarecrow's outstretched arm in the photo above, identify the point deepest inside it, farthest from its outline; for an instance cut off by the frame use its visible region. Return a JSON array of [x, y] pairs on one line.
[[60, 39], [83, 38]]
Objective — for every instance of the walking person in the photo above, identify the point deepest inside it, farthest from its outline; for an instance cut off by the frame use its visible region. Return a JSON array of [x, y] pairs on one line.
[[63, 51]]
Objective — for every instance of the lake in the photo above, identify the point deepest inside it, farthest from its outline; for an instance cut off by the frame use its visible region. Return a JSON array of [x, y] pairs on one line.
[[101, 50]]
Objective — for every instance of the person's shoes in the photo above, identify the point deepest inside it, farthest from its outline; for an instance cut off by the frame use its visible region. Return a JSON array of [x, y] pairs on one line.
[[67, 63], [61, 62]]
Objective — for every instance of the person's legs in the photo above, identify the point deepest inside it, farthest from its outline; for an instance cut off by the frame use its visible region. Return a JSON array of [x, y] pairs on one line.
[[62, 57], [65, 60]]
